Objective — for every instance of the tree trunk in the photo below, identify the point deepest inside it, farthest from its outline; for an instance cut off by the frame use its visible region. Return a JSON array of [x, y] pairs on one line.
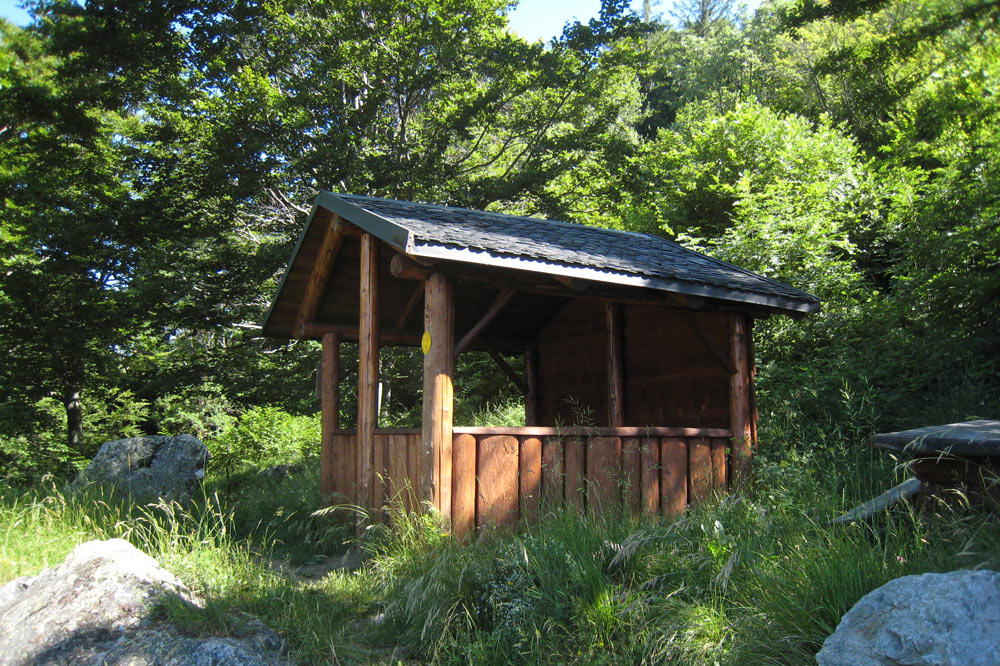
[[74, 419]]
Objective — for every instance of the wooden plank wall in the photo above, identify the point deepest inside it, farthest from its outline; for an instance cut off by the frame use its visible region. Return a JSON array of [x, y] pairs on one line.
[[669, 369], [498, 479]]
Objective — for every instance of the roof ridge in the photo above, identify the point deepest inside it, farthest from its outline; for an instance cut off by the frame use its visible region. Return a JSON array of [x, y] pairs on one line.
[[525, 218]]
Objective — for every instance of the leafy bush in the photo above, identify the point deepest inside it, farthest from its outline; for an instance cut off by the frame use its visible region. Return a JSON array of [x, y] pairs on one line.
[[264, 436], [203, 411]]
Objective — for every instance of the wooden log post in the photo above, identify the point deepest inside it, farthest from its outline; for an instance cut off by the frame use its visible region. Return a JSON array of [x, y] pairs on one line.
[[367, 372], [616, 381], [739, 399], [438, 346], [330, 419]]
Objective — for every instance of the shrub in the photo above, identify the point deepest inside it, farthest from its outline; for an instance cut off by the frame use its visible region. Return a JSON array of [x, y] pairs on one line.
[[203, 411], [264, 436]]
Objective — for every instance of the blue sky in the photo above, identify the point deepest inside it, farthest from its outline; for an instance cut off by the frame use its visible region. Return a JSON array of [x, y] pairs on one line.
[[533, 19], [544, 19], [9, 10]]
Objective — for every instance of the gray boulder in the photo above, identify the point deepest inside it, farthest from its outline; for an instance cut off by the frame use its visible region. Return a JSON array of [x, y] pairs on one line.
[[148, 468], [96, 608], [281, 472], [950, 619]]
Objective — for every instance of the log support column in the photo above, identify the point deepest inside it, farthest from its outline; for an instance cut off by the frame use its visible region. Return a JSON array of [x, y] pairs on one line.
[[616, 356], [329, 381], [740, 409], [438, 345], [367, 372]]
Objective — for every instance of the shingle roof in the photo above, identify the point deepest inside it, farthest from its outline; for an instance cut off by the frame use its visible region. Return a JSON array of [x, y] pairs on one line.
[[527, 243]]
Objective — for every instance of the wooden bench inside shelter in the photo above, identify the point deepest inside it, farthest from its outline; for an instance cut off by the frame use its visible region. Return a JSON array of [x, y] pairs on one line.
[[655, 339]]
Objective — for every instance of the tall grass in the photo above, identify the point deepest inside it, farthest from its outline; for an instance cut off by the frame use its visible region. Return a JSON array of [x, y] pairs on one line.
[[756, 578]]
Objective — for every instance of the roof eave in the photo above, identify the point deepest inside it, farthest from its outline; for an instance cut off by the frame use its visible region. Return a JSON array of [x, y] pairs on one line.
[[288, 268], [393, 234], [387, 231], [484, 258]]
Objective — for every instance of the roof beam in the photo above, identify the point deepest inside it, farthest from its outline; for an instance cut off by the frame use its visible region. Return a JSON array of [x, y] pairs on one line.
[[721, 357], [333, 237], [405, 268], [499, 303], [411, 304], [521, 384], [315, 330]]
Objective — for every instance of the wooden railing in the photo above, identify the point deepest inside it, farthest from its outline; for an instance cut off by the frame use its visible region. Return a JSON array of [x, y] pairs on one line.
[[501, 475]]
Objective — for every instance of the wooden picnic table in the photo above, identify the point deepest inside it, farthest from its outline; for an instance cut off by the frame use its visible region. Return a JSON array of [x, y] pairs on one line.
[[956, 452]]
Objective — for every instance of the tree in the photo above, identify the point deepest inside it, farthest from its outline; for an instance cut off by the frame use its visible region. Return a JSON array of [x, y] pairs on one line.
[[192, 137], [702, 17], [71, 243]]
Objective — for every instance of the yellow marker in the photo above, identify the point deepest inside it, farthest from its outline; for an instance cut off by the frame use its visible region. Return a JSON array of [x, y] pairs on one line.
[[425, 342]]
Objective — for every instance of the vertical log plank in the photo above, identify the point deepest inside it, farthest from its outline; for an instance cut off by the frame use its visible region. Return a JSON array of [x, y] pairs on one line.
[[348, 457], [463, 487], [699, 470], [530, 470], [719, 465], [531, 379], [414, 447], [343, 467], [439, 331], [328, 475], [380, 474], [631, 477], [367, 372], [397, 488], [739, 399], [329, 382], [616, 382], [603, 461], [673, 476], [574, 479], [552, 472], [496, 471], [649, 477]]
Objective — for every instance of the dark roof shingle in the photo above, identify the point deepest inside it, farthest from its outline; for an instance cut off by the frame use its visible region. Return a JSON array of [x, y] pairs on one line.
[[431, 230]]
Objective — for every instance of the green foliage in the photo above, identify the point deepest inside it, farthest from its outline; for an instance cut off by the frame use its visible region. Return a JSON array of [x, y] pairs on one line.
[[264, 436], [204, 412], [500, 415]]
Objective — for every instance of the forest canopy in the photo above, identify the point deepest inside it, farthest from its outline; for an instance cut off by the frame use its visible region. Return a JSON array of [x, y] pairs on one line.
[[158, 159]]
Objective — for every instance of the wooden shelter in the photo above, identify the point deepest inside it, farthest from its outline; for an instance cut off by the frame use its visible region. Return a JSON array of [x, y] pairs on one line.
[[653, 338]]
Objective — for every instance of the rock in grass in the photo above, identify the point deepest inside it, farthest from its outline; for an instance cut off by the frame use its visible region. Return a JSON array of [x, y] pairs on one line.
[[281, 472], [97, 608], [950, 619], [148, 468]]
